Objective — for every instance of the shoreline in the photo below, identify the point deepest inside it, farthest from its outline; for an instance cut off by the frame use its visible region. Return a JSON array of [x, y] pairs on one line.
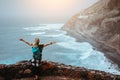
[[108, 51]]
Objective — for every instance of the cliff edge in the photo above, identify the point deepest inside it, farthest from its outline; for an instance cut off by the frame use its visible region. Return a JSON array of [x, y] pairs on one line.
[[100, 26], [52, 71]]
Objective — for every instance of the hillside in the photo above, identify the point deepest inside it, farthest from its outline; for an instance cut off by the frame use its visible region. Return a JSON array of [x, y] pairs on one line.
[[100, 26]]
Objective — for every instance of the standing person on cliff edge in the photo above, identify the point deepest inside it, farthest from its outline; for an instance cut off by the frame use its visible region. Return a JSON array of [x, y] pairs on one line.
[[37, 54]]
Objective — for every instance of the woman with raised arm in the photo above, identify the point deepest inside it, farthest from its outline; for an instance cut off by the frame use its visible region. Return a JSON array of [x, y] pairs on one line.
[[37, 54]]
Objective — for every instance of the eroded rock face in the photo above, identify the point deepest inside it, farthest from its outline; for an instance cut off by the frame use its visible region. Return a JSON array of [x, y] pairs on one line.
[[52, 71], [99, 24]]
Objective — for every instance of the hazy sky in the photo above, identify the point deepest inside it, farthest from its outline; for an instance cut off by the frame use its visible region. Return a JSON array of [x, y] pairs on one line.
[[41, 10]]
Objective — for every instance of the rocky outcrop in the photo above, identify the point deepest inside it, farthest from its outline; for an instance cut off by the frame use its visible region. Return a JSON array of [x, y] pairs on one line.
[[100, 26], [52, 71]]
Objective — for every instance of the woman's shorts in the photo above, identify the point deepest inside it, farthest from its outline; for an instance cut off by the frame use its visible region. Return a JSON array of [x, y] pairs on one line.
[[35, 62]]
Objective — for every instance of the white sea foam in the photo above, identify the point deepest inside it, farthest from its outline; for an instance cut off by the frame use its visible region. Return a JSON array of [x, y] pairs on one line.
[[43, 28], [53, 35], [85, 55], [75, 45], [35, 28], [37, 33]]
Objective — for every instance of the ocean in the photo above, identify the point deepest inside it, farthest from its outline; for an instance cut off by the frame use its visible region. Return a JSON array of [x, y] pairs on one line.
[[66, 50]]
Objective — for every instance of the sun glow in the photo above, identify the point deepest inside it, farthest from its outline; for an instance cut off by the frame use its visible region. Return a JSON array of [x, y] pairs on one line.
[[48, 10], [56, 5], [52, 4], [51, 8]]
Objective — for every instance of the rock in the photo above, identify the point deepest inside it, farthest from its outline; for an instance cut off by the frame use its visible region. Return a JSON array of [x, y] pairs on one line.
[[27, 71], [1, 78], [24, 71], [46, 66], [2, 66], [21, 72]]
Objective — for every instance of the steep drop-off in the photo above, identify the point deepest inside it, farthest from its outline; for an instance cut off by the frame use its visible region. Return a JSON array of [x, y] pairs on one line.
[[100, 26]]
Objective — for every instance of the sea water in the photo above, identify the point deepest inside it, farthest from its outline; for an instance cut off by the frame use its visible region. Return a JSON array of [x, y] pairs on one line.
[[66, 50]]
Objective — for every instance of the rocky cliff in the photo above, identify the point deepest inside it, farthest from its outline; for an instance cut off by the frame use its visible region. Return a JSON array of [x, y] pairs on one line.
[[52, 71], [100, 26]]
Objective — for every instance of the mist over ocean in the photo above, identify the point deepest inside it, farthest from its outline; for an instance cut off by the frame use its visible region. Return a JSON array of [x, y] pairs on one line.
[[66, 50]]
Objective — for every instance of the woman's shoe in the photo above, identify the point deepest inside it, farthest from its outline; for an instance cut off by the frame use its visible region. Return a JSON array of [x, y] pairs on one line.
[[36, 77]]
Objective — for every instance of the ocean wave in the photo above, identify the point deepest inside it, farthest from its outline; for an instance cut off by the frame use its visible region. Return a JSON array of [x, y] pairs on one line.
[[53, 35], [43, 28], [85, 55], [75, 45], [37, 33], [35, 28]]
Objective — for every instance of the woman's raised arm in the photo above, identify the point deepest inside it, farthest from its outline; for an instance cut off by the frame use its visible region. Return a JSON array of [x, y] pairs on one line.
[[50, 43], [21, 39]]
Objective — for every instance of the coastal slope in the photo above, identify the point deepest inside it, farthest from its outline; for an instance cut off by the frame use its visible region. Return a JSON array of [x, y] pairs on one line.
[[100, 26]]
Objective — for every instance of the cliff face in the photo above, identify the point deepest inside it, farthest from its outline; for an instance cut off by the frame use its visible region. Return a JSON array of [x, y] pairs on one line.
[[52, 71], [99, 24]]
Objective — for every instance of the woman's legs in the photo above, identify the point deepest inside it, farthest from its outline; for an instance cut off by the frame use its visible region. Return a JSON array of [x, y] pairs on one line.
[[36, 68], [36, 72]]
